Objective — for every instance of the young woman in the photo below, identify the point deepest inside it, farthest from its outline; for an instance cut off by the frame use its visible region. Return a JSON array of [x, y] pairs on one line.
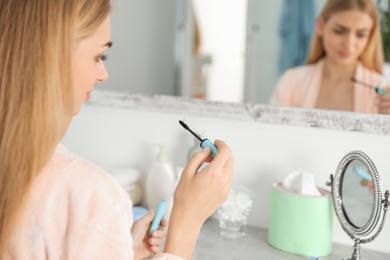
[[345, 55], [53, 204]]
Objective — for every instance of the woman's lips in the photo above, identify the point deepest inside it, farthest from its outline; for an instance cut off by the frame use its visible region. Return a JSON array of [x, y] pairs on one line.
[[345, 54], [88, 95]]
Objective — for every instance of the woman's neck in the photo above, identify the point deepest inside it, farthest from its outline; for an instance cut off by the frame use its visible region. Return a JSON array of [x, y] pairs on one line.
[[337, 72]]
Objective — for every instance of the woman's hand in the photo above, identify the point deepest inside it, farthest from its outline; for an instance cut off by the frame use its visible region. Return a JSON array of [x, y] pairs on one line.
[[369, 185], [384, 103], [197, 196], [143, 244]]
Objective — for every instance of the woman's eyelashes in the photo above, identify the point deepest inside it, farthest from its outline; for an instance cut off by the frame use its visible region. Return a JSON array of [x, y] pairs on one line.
[[359, 34], [338, 31], [102, 57]]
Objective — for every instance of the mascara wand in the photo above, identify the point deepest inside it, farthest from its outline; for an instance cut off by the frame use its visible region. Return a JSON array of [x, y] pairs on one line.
[[378, 90], [189, 130], [203, 142]]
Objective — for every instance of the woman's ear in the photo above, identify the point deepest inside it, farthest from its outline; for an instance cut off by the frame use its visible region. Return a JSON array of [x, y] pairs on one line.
[[320, 25]]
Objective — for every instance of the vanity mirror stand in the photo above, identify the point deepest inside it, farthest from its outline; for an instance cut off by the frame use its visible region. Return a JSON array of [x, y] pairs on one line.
[[358, 200]]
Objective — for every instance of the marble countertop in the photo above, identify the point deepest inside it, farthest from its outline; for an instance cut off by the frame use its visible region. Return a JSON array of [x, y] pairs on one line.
[[211, 246], [304, 117]]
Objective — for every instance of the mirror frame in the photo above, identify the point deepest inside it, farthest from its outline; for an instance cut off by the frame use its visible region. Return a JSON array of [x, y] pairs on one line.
[[376, 211], [302, 117]]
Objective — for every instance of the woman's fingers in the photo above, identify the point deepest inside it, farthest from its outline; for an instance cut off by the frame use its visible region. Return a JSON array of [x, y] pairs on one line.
[[154, 241], [155, 249], [223, 153], [157, 234], [229, 170], [196, 161], [211, 185], [164, 223], [368, 184], [199, 158], [384, 104]]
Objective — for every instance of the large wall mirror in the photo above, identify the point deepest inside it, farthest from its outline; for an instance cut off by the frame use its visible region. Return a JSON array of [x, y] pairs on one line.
[[219, 50], [228, 51]]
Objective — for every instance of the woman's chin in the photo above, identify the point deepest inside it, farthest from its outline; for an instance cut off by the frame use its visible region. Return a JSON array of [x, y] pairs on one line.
[[77, 109], [345, 61]]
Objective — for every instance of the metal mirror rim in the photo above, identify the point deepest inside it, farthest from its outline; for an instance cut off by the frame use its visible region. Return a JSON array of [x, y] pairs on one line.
[[351, 229]]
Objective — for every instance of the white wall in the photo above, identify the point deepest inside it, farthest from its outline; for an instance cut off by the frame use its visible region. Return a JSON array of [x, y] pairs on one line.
[[264, 153], [142, 57], [223, 28]]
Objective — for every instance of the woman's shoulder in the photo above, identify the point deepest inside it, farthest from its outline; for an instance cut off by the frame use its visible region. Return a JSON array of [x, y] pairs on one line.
[[87, 204], [69, 173], [370, 76], [301, 71], [71, 165]]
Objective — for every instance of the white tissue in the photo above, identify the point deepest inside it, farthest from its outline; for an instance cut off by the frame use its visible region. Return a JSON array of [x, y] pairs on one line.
[[301, 182]]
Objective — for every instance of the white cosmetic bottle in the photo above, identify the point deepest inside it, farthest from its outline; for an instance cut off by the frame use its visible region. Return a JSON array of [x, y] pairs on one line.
[[160, 180]]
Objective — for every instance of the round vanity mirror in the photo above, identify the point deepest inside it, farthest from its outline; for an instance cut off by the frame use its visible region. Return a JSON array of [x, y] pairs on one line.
[[358, 200], [357, 194]]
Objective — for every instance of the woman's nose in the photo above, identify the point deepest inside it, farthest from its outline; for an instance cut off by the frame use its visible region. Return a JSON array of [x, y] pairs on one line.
[[349, 41], [102, 73]]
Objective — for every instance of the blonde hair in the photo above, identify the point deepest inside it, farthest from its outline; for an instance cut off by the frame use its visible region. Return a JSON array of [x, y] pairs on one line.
[[36, 91], [372, 56]]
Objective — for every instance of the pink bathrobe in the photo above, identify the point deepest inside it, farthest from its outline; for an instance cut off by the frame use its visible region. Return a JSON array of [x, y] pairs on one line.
[[299, 87], [76, 211]]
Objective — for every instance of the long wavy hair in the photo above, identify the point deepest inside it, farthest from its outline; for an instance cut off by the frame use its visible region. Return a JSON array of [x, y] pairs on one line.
[[37, 44], [372, 56]]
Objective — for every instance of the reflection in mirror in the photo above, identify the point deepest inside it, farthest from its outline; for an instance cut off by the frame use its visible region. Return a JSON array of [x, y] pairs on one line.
[[154, 48], [279, 35], [358, 201], [344, 64], [358, 208]]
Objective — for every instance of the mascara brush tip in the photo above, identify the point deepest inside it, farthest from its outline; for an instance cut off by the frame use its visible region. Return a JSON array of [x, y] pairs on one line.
[[183, 124]]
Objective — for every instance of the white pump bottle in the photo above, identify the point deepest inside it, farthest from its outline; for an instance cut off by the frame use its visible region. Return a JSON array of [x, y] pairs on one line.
[[160, 180]]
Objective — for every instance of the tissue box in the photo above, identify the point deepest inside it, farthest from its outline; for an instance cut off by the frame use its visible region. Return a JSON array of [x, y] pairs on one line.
[[300, 224]]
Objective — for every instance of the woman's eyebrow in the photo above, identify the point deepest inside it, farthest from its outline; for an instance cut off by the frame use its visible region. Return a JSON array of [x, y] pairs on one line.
[[347, 29], [364, 30], [342, 26], [108, 44]]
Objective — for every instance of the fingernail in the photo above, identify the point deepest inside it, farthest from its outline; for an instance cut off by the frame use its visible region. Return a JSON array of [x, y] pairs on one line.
[[206, 148]]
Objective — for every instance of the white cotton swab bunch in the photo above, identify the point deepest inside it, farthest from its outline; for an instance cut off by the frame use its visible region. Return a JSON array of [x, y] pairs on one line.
[[237, 207]]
